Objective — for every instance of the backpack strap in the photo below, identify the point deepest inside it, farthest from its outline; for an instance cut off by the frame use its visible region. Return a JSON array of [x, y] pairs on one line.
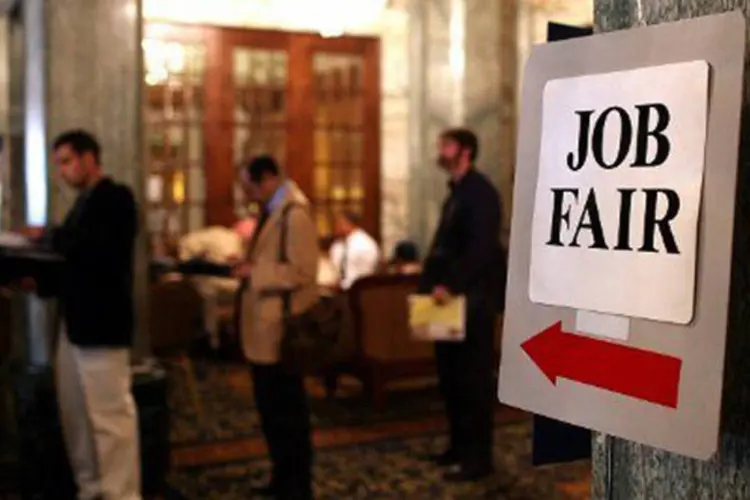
[[286, 296], [283, 251]]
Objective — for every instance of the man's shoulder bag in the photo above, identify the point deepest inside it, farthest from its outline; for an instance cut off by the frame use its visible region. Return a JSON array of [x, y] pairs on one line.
[[308, 346]]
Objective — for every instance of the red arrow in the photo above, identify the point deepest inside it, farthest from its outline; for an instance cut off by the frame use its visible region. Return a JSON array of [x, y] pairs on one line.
[[640, 374]]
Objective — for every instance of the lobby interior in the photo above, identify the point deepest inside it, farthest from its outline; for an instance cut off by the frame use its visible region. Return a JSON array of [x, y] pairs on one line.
[[349, 95]]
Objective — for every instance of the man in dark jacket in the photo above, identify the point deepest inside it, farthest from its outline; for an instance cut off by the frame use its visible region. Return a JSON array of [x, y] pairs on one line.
[[95, 296], [465, 259]]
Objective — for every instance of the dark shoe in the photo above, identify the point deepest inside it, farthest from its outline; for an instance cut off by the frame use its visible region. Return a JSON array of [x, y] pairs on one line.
[[467, 474], [445, 459], [295, 495], [268, 491]]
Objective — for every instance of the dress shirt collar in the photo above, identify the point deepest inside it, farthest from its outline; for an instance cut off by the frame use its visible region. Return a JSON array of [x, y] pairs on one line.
[[277, 198]]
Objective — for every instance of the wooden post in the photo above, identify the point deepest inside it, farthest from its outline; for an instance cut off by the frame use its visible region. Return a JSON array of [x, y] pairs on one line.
[[627, 471]]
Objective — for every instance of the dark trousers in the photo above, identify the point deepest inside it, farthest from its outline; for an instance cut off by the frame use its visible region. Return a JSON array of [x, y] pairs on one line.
[[467, 383], [285, 419]]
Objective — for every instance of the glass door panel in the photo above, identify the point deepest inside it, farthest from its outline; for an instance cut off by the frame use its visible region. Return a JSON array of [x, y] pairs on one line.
[[174, 146], [338, 136], [259, 79]]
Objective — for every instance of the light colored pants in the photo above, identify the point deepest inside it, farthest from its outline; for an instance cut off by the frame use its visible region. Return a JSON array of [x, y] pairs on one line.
[[215, 292], [99, 420]]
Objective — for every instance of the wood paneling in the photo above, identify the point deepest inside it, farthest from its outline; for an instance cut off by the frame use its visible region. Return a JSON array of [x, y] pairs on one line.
[[243, 117]]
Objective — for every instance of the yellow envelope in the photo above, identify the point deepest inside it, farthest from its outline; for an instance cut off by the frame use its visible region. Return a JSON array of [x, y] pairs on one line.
[[430, 321]]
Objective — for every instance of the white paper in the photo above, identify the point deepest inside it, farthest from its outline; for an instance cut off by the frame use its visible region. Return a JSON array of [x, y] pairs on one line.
[[603, 325], [652, 285]]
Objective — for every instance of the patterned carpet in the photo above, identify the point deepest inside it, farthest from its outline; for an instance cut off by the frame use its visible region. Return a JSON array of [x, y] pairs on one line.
[[392, 470], [225, 396], [361, 453]]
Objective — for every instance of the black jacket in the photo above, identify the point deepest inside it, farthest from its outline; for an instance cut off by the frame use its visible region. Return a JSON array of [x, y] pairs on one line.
[[466, 256], [97, 240]]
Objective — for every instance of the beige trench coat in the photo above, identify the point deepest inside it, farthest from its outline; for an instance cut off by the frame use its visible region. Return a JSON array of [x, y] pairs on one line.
[[261, 314]]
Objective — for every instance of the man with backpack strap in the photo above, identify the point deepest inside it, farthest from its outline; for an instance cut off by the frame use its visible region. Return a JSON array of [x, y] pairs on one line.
[[273, 288]]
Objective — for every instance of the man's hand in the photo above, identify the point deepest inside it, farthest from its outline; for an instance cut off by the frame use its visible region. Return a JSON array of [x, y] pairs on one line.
[[441, 295], [242, 271]]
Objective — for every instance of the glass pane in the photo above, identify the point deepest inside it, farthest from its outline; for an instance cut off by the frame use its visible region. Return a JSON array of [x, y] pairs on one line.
[[155, 188], [178, 187], [241, 145], [176, 143], [156, 218], [195, 144], [261, 67], [174, 225], [337, 147], [322, 181], [339, 108], [196, 217], [241, 64], [324, 223], [197, 185], [279, 62], [321, 146], [339, 186]]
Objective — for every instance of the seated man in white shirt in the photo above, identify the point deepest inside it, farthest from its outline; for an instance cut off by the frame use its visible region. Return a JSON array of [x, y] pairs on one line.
[[355, 253]]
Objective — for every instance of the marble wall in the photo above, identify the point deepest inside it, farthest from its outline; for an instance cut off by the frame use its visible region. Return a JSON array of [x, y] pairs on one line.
[[457, 55], [533, 17]]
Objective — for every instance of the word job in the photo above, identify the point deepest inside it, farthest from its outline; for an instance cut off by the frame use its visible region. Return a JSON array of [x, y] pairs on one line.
[[648, 139]]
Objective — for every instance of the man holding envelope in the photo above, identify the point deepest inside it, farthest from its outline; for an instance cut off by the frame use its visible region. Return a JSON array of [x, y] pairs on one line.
[[464, 272]]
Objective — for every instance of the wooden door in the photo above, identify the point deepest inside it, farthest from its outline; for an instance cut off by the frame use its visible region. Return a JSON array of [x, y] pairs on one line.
[[346, 147], [178, 128], [312, 103]]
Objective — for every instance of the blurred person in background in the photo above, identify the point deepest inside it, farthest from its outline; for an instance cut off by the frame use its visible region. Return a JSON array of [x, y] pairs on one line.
[[405, 259], [219, 246], [355, 253], [466, 259]]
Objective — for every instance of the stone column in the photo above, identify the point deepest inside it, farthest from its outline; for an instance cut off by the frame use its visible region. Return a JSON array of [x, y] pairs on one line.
[[459, 75], [80, 66], [628, 471]]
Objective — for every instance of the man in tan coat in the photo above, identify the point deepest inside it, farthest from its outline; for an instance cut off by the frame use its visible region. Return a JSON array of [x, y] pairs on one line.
[[278, 281]]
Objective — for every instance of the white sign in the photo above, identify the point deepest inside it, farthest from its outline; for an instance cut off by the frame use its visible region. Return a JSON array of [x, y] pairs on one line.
[[658, 383], [621, 165]]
